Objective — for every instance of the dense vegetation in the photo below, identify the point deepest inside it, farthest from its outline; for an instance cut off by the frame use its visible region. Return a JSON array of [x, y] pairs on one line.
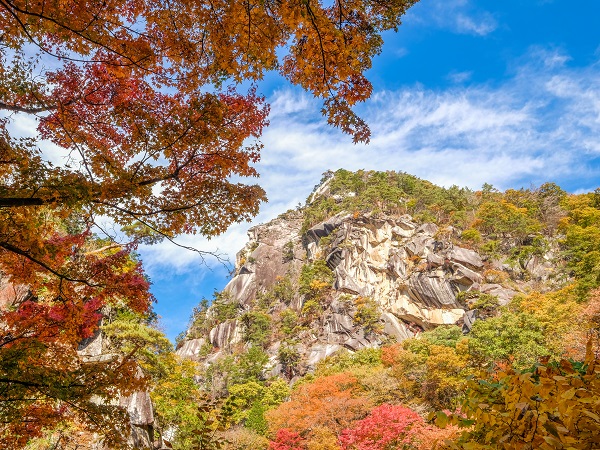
[[145, 114], [526, 376]]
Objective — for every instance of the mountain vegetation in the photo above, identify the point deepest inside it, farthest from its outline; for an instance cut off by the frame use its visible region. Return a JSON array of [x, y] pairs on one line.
[[142, 113], [386, 313], [525, 373]]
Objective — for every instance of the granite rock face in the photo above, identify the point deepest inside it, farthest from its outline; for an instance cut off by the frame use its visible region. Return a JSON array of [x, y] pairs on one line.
[[413, 273], [138, 405]]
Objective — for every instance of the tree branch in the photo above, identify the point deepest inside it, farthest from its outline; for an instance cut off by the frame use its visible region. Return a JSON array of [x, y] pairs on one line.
[[22, 109]]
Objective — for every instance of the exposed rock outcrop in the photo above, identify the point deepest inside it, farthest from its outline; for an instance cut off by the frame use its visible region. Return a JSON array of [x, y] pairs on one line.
[[412, 273]]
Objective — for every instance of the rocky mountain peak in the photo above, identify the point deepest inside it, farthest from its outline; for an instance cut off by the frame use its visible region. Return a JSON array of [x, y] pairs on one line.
[[356, 279]]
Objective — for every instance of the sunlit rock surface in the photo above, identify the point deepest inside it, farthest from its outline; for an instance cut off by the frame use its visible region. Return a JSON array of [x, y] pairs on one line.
[[413, 272]]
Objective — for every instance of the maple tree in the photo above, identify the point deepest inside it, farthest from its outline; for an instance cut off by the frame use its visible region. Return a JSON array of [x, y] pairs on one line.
[[44, 381], [138, 98], [147, 113], [286, 439], [386, 426], [332, 402]]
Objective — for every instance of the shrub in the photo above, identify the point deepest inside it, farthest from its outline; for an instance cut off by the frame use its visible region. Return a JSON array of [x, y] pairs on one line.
[[553, 406], [256, 328], [385, 427], [286, 439], [288, 357], [288, 252], [367, 315], [315, 279], [516, 338]]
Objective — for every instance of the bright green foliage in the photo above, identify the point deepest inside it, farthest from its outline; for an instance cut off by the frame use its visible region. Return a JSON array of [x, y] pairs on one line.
[[283, 290], [511, 337], [179, 403], [504, 219], [311, 310], [288, 252], [522, 254], [485, 304], [289, 358], [256, 328], [472, 235], [235, 369], [390, 193], [242, 397], [223, 307], [256, 418], [207, 315], [277, 392], [582, 242], [446, 335], [556, 312], [130, 333], [288, 322], [199, 323], [250, 400], [250, 365], [345, 361], [431, 369]]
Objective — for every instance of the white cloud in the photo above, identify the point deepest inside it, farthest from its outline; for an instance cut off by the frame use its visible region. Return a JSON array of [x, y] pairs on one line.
[[23, 125], [537, 126], [459, 77], [481, 24], [458, 16]]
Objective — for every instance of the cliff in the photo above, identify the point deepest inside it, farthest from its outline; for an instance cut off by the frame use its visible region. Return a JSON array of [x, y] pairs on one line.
[[359, 278]]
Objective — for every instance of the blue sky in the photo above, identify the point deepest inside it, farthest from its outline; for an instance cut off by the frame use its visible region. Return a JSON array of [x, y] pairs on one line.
[[466, 92]]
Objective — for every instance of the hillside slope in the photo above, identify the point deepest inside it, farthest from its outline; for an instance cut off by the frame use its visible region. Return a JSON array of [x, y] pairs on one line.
[[372, 258]]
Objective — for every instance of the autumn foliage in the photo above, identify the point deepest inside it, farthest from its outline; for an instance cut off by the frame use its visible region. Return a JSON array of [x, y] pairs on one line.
[[386, 426], [554, 406], [43, 380], [140, 117], [333, 402]]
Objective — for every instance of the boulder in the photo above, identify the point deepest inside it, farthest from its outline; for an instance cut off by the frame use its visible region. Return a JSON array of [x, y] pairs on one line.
[[433, 292], [225, 334], [191, 348], [396, 264], [395, 327], [464, 276], [139, 408], [339, 323], [434, 260], [466, 257], [242, 287], [428, 229], [504, 294], [319, 352], [345, 283], [321, 230], [417, 245]]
